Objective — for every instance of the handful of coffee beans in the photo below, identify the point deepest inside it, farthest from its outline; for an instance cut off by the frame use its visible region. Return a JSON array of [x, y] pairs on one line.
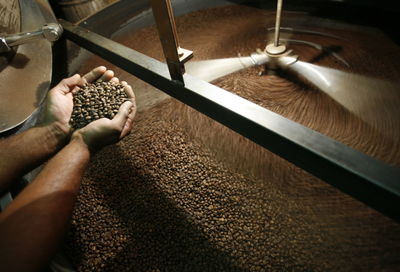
[[96, 100]]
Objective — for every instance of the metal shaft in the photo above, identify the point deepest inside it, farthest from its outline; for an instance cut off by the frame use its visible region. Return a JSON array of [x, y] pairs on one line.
[[51, 32], [164, 19], [278, 22], [175, 55]]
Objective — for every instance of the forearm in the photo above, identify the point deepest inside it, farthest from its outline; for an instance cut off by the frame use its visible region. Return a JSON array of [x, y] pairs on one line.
[[24, 152], [33, 225]]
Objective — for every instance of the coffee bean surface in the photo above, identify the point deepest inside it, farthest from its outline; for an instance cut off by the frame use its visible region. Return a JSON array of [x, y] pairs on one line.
[[184, 193], [96, 100]]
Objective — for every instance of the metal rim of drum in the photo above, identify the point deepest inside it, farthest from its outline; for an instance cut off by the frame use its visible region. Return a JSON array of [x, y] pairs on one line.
[[73, 2], [26, 80]]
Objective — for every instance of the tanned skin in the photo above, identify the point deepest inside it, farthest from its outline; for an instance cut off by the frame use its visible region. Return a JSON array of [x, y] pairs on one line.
[[33, 225]]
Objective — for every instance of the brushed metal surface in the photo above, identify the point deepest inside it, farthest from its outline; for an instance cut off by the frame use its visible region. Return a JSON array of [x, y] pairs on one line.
[[9, 23], [25, 81]]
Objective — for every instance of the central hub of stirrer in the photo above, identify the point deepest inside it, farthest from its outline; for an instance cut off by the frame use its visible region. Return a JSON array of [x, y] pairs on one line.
[[276, 48]]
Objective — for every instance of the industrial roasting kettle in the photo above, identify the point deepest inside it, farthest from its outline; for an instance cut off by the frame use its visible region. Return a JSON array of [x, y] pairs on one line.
[[345, 51], [320, 33]]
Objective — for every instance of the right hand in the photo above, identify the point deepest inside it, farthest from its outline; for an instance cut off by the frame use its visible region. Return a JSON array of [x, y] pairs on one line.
[[104, 131]]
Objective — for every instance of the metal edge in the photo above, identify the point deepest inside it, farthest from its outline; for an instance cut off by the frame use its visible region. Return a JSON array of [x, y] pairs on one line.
[[32, 17]]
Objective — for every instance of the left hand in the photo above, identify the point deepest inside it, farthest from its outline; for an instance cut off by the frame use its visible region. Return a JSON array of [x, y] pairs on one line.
[[59, 102], [104, 131]]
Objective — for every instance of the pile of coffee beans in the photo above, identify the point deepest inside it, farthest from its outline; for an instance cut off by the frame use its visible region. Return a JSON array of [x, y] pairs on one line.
[[182, 193], [159, 201], [97, 100]]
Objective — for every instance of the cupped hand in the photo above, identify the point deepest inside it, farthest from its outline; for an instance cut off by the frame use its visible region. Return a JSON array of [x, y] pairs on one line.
[[104, 131], [59, 102]]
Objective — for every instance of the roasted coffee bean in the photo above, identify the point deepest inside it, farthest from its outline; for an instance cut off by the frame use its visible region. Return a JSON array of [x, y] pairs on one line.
[[96, 100], [168, 205], [166, 186]]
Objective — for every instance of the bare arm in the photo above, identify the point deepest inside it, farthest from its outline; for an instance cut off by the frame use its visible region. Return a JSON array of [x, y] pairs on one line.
[[35, 222], [23, 152], [33, 225]]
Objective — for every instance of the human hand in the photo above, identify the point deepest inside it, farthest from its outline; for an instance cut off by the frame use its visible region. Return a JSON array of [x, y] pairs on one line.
[[104, 131], [59, 102]]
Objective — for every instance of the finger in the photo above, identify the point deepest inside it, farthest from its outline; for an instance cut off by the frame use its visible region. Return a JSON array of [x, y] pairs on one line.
[[132, 113], [67, 84], [121, 117], [127, 127], [115, 80], [94, 75], [108, 75], [128, 90], [75, 89], [128, 124]]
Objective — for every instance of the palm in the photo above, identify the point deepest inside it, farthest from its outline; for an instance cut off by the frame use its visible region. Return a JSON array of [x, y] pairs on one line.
[[104, 131], [101, 132], [59, 103], [60, 106]]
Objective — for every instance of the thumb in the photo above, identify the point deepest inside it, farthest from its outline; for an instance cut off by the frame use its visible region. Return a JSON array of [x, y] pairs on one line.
[[67, 84], [122, 115]]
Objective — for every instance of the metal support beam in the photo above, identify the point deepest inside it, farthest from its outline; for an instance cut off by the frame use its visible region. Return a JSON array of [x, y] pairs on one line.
[[174, 55], [364, 178]]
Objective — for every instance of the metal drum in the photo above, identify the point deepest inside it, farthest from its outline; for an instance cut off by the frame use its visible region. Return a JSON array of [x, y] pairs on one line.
[[26, 70], [76, 10], [183, 193]]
